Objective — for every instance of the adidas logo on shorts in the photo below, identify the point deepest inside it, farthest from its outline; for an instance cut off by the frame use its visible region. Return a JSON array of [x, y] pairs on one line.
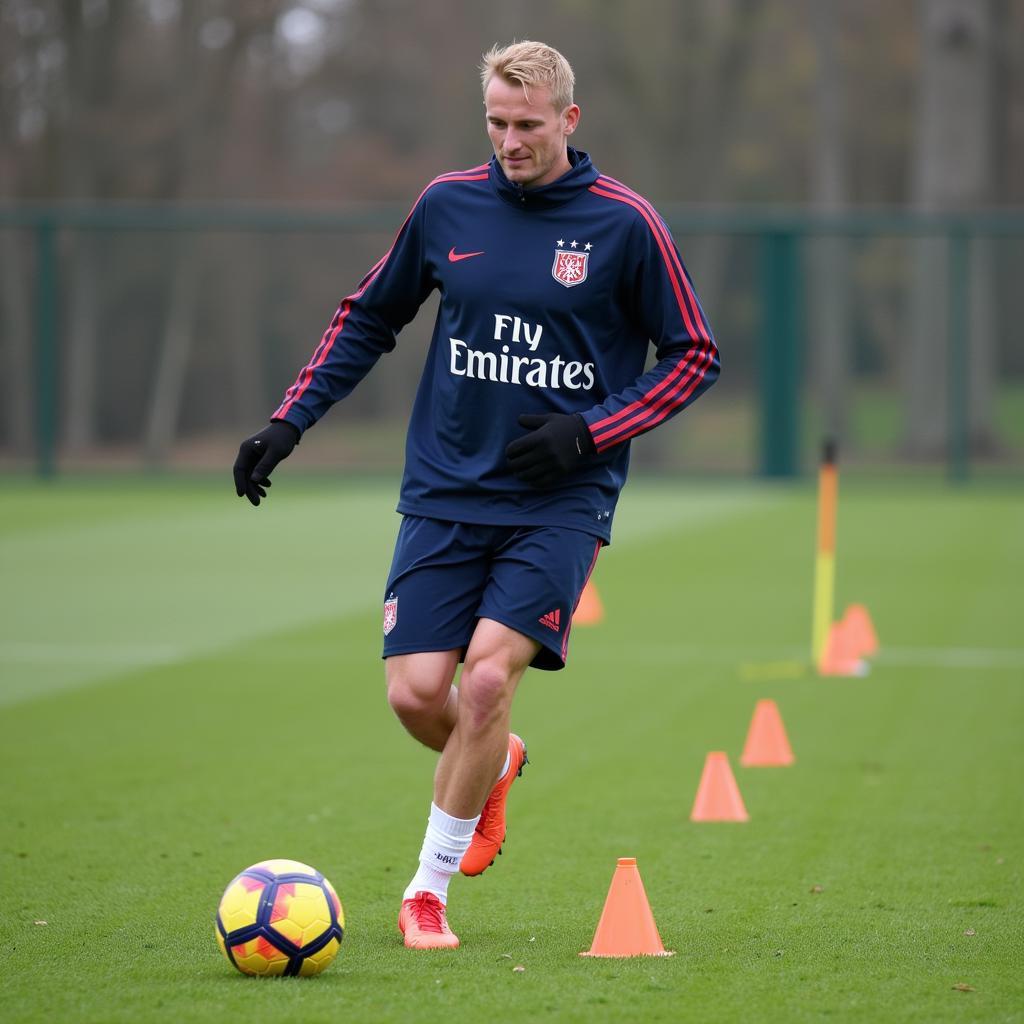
[[552, 619]]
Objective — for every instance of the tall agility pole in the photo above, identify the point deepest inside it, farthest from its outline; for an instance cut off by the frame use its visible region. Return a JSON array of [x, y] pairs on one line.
[[825, 562]]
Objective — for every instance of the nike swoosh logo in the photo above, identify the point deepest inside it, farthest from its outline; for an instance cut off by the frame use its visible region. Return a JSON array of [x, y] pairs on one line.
[[454, 257]]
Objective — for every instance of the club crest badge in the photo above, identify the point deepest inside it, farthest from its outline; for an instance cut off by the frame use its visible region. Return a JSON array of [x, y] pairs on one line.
[[390, 614], [570, 267]]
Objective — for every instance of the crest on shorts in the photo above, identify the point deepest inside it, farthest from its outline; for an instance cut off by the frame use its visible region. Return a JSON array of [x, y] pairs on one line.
[[390, 613], [570, 266]]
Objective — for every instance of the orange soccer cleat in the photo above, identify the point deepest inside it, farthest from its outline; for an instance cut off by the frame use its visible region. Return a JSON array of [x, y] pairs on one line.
[[423, 922], [490, 829]]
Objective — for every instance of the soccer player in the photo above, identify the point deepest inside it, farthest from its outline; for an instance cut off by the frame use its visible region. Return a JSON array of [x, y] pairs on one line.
[[554, 279]]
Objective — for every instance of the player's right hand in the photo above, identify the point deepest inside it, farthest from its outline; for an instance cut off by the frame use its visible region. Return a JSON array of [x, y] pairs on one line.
[[259, 454]]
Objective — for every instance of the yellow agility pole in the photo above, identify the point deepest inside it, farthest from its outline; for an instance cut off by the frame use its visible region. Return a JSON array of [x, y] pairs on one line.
[[825, 563]]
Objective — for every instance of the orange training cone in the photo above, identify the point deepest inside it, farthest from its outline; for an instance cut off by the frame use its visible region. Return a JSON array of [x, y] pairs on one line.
[[590, 610], [861, 630], [767, 744], [841, 656], [627, 925], [718, 796]]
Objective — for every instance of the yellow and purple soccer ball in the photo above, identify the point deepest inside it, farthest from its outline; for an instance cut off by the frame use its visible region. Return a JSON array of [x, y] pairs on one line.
[[280, 917]]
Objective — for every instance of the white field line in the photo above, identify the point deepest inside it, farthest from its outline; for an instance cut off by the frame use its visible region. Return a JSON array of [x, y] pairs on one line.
[[101, 654], [953, 657], [794, 661]]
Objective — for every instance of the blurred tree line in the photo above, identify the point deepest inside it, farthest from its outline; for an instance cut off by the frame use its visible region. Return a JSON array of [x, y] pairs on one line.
[[697, 101], [829, 103]]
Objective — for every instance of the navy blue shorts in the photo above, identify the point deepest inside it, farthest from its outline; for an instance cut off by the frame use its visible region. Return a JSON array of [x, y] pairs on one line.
[[445, 576]]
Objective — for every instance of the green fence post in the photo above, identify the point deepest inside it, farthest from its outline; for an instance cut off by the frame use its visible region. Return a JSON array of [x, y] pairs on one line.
[[46, 348], [780, 371], [959, 368]]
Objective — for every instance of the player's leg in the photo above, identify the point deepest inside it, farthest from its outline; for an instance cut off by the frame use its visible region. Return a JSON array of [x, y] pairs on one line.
[[537, 578], [437, 576], [430, 602], [421, 694], [531, 585], [495, 662], [496, 659]]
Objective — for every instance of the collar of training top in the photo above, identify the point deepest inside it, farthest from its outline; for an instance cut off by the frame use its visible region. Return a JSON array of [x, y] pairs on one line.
[[579, 177]]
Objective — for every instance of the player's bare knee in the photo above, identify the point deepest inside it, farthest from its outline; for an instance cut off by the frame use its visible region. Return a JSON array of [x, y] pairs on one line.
[[414, 696], [484, 692], [405, 703], [410, 702]]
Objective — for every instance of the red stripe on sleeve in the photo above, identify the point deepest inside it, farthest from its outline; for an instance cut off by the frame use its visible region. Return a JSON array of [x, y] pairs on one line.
[[617, 186], [688, 362], [295, 392], [694, 363], [652, 414], [673, 276]]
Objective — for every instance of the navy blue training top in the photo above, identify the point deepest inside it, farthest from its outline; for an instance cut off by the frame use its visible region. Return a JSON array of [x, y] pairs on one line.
[[549, 299]]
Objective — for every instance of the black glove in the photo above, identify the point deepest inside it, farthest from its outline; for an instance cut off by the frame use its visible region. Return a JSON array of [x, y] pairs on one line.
[[558, 444], [259, 454]]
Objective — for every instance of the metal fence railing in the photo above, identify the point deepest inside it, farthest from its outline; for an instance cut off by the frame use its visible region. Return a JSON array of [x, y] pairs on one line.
[[141, 334]]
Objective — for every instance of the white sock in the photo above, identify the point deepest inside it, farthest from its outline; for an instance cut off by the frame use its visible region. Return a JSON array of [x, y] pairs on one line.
[[506, 766], [446, 841]]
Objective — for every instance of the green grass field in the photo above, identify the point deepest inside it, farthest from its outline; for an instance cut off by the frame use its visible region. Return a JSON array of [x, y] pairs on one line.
[[189, 685]]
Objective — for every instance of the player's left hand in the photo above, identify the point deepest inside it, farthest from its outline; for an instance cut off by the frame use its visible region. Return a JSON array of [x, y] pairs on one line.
[[558, 444]]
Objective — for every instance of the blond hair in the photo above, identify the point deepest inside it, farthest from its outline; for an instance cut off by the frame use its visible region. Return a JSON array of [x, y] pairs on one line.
[[528, 64]]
